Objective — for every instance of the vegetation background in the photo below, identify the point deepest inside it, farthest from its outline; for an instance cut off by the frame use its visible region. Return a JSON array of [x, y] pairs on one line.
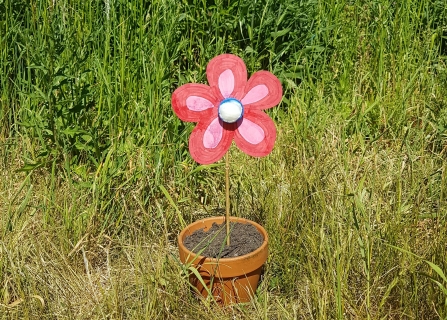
[[96, 178]]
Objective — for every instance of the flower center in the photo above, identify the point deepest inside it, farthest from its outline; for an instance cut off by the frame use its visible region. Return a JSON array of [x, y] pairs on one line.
[[230, 110]]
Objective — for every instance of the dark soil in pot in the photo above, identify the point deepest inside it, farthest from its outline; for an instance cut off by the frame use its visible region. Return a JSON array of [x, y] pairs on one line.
[[244, 238]]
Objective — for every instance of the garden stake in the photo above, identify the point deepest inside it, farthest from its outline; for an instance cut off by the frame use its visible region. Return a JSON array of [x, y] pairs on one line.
[[227, 194]]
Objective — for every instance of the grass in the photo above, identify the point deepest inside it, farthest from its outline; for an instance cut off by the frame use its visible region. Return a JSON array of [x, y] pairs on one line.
[[96, 180]]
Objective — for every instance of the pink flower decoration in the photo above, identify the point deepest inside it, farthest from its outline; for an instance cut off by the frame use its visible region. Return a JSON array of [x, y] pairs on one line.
[[230, 108]]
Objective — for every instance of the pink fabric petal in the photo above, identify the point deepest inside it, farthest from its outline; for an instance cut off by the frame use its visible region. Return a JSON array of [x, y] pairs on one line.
[[255, 94], [213, 134], [251, 132], [262, 91], [196, 103], [256, 137], [206, 144], [219, 77], [226, 83]]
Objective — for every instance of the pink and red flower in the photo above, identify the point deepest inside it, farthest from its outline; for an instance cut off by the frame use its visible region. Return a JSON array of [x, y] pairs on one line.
[[230, 108]]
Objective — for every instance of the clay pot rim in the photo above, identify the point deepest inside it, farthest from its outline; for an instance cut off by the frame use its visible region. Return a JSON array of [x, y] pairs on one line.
[[195, 256]]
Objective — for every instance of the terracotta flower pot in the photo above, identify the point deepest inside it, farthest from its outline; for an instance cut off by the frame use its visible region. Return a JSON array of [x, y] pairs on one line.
[[230, 280]]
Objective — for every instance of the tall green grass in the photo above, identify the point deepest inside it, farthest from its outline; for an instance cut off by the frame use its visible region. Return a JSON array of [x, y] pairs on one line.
[[96, 180]]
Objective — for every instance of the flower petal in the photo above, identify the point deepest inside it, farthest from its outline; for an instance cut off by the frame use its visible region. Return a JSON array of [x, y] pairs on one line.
[[227, 76], [210, 140], [193, 102], [256, 134], [196, 103], [255, 94], [213, 134], [226, 83], [250, 131], [262, 91]]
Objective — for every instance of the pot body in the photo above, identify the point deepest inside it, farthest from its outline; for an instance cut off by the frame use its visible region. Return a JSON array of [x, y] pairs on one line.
[[229, 280]]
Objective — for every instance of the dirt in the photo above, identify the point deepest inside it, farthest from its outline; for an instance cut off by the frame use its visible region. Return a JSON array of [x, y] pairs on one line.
[[244, 238]]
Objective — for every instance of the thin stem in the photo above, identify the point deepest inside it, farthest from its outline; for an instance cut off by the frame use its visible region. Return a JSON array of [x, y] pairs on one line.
[[227, 190]]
